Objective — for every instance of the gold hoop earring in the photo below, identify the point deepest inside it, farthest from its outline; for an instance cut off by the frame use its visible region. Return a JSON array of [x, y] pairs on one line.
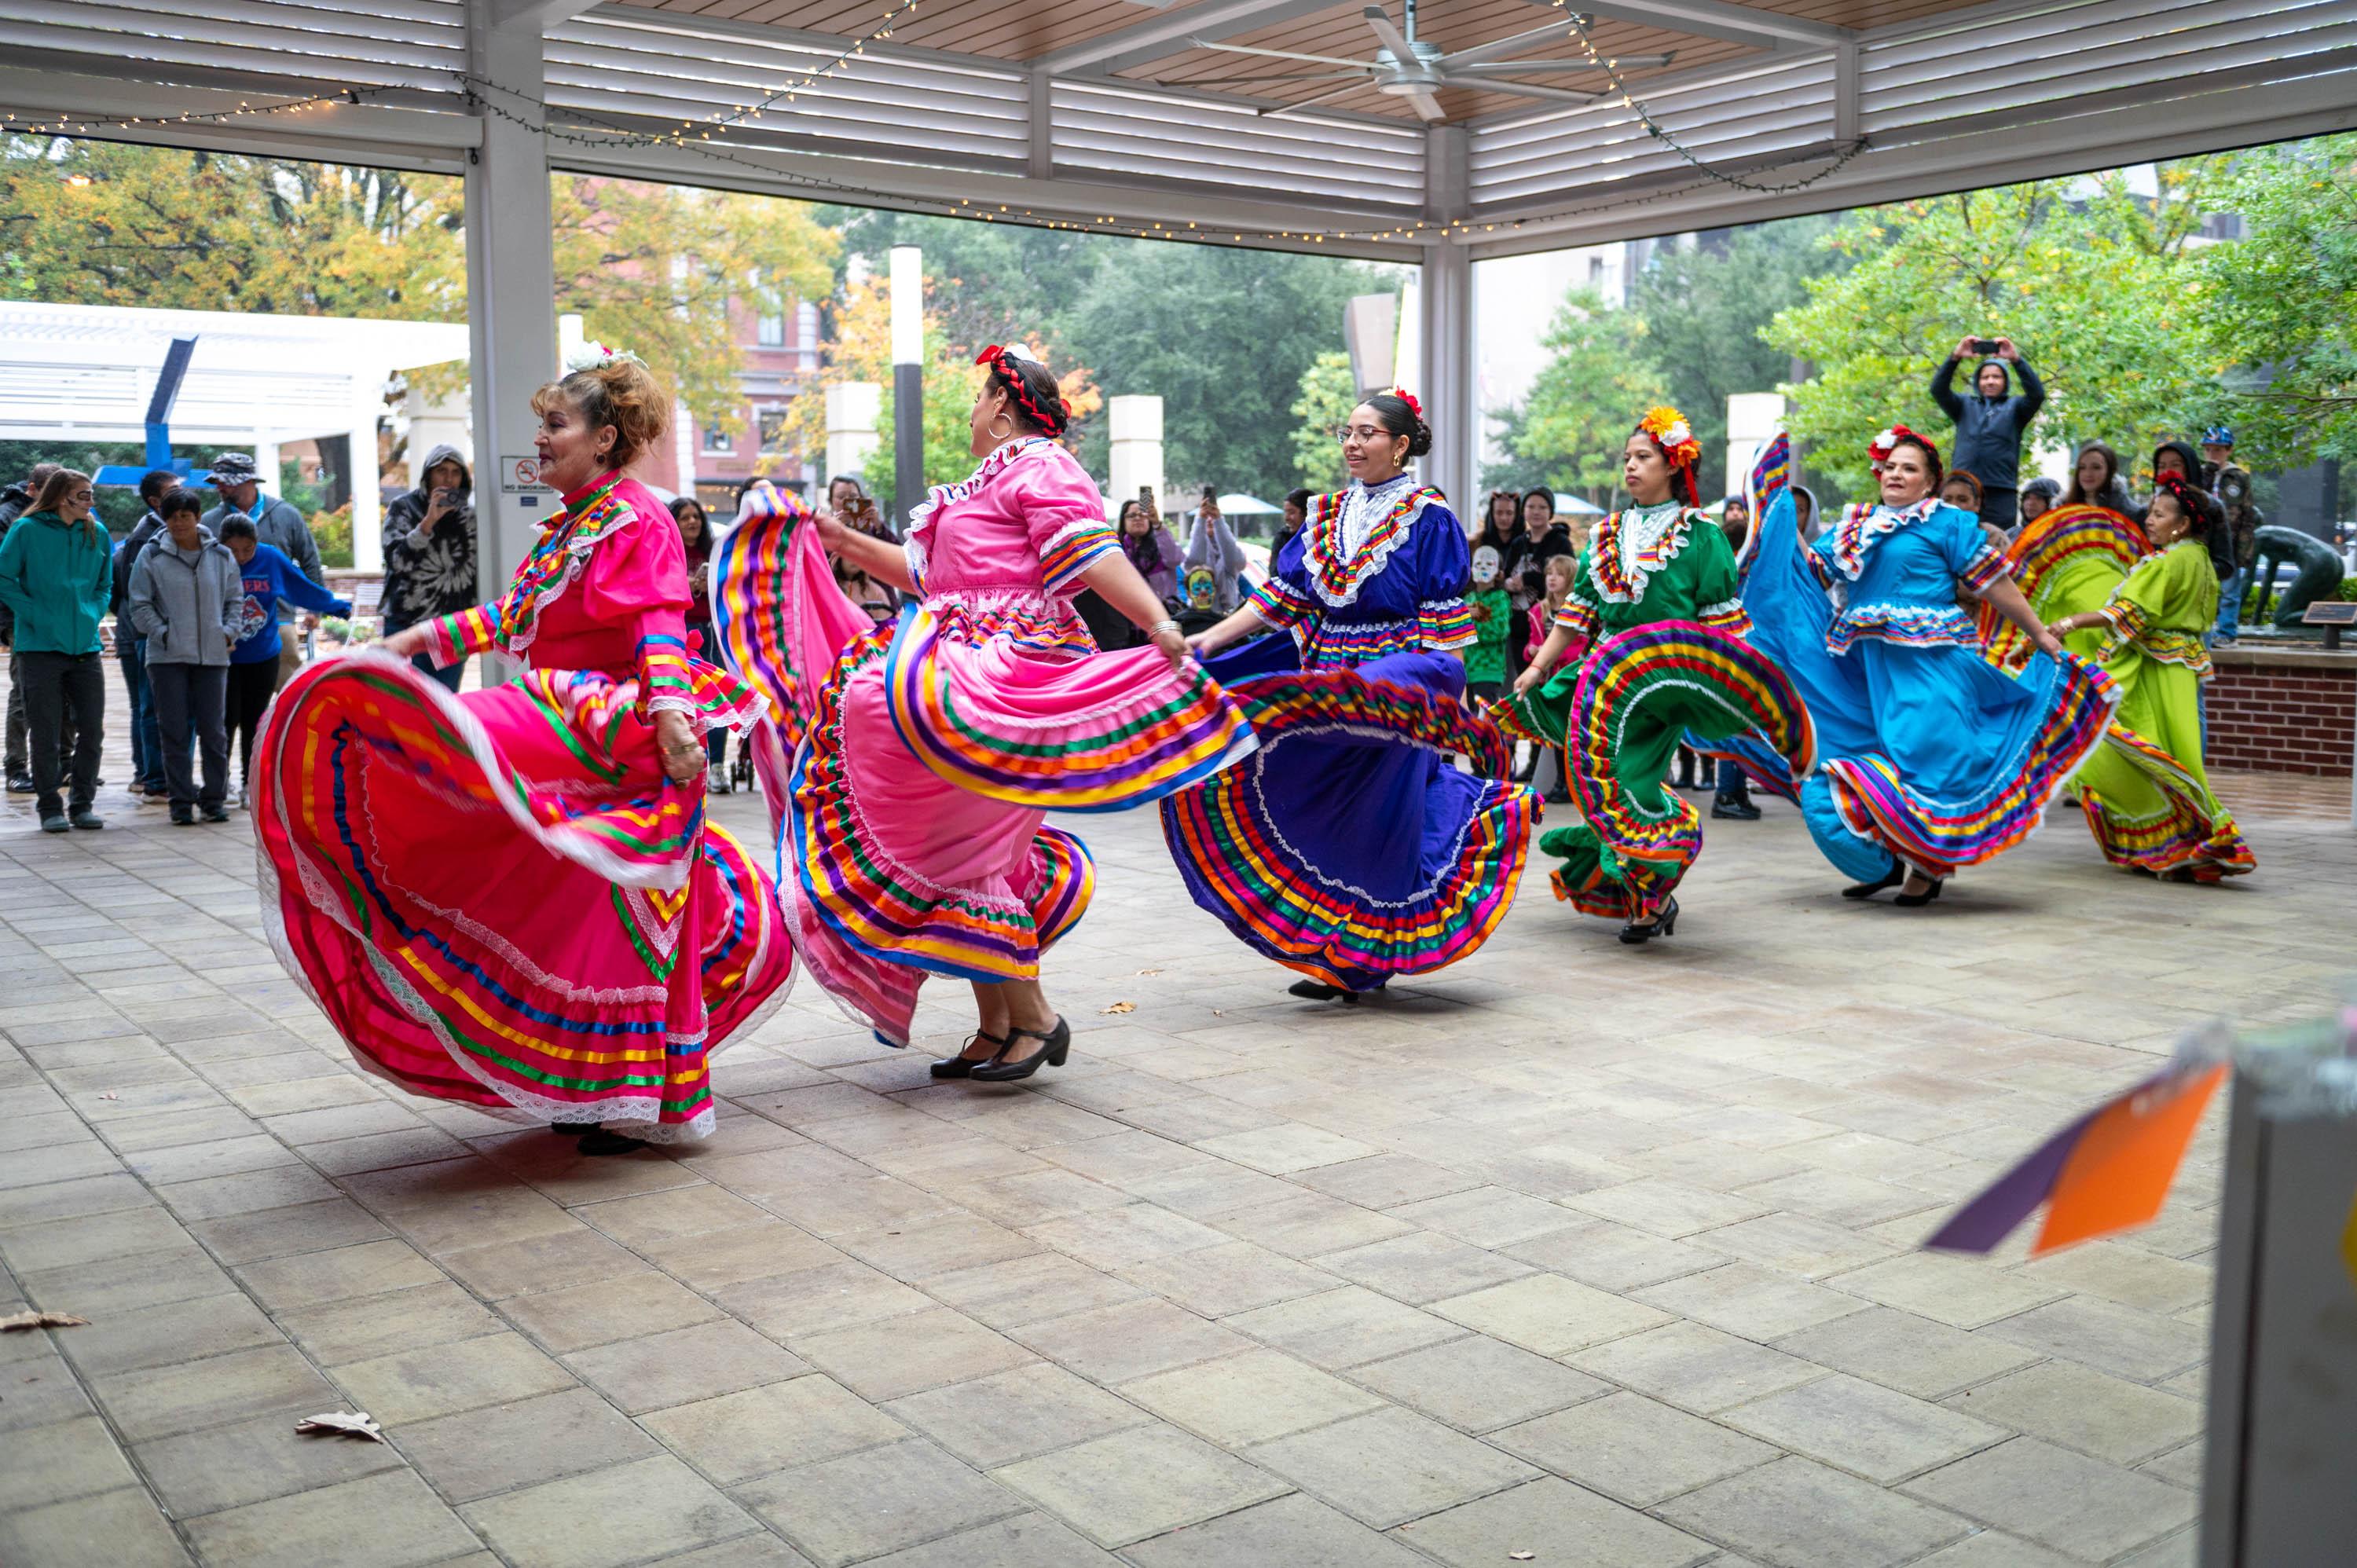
[[993, 426]]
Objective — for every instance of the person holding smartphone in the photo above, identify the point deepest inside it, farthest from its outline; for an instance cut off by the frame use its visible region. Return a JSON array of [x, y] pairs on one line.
[[1990, 423], [429, 554]]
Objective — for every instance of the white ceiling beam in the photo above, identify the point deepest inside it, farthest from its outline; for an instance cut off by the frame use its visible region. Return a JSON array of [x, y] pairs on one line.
[[1168, 34], [535, 15], [339, 132]]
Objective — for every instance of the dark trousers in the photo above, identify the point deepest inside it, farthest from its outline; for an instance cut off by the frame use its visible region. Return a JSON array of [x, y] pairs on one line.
[[424, 662], [17, 766], [190, 702], [61, 689], [251, 687], [147, 762], [2001, 508]]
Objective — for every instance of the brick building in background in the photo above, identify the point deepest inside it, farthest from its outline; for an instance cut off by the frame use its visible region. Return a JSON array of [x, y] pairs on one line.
[[778, 359]]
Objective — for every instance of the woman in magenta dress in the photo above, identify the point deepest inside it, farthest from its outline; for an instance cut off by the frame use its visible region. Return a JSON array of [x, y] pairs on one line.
[[511, 899], [913, 818]]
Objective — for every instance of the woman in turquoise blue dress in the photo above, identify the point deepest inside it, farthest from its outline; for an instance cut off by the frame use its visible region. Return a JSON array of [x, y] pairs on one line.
[[1933, 757]]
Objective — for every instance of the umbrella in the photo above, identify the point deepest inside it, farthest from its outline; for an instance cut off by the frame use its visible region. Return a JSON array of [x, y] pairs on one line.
[[1578, 506], [1241, 505]]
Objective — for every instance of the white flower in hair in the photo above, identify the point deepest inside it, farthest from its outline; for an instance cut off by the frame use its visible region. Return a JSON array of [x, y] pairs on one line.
[[590, 356], [1020, 351], [1888, 441], [1677, 434]]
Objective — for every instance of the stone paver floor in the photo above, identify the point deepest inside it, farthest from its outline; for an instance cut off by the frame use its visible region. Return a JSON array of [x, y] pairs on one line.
[[1601, 1255]]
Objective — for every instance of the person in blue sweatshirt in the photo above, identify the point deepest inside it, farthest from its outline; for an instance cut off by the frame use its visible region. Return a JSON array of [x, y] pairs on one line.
[[270, 580]]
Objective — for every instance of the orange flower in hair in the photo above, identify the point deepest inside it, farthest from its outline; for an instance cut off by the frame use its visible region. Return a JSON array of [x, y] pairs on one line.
[[1672, 435]]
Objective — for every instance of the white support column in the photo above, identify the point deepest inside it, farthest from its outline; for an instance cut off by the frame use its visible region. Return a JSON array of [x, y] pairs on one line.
[[368, 508], [1134, 423], [1445, 350], [852, 411], [265, 461], [510, 287]]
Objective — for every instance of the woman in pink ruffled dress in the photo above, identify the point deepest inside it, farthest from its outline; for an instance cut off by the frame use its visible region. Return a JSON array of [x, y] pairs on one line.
[[913, 818], [511, 897]]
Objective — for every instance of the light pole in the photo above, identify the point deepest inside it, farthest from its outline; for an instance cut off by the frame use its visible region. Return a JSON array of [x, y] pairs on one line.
[[908, 379]]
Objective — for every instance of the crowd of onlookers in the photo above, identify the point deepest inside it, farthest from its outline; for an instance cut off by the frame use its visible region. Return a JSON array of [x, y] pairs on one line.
[[204, 593]]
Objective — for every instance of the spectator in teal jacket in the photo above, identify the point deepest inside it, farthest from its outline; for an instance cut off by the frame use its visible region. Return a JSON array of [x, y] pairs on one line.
[[57, 577]]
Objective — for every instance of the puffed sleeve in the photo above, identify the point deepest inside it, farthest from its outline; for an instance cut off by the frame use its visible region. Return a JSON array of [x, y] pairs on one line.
[[476, 630], [1966, 549], [635, 579], [1444, 565], [1577, 613], [1064, 516], [1282, 599], [2159, 589], [1718, 586]]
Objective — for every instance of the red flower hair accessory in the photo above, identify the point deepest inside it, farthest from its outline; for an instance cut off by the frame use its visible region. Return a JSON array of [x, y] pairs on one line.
[[1408, 398], [1884, 445]]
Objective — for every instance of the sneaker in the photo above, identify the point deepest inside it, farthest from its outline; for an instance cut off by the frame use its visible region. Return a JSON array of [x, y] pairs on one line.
[[1735, 811], [215, 814], [20, 784], [183, 816], [87, 820], [242, 804], [54, 824]]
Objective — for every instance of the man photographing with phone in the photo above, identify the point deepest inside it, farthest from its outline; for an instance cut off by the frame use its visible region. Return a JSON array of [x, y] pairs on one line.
[[1990, 423]]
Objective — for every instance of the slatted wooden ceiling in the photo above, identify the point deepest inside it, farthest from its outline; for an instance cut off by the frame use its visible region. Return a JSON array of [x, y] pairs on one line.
[[1020, 30]]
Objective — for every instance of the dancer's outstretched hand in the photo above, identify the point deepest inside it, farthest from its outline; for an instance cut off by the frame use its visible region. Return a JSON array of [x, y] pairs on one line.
[[406, 643], [675, 742], [1174, 647], [1531, 675]]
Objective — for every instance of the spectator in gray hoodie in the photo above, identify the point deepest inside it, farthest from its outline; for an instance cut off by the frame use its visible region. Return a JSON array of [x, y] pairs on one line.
[[277, 525], [186, 597]]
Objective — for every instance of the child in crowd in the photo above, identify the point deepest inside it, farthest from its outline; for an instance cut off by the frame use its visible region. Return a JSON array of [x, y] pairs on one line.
[[1200, 593], [1485, 661], [269, 577], [1546, 778]]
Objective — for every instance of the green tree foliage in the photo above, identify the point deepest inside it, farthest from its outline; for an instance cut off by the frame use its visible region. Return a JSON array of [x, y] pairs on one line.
[[1570, 431], [2090, 280], [651, 268], [1328, 396], [1703, 307], [2277, 305]]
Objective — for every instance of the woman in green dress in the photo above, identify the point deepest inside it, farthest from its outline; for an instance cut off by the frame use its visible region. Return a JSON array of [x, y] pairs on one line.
[[2145, 792], [1656, 605]]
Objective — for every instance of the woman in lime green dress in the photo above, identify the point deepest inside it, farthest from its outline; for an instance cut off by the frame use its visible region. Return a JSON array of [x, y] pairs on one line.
[[2144, 790], [1655, 615]]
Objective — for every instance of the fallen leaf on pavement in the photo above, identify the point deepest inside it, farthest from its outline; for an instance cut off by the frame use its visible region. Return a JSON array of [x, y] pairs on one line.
[[1122, 1007], [25, 1320], [347, 1422], [108, 1095], [1149, 972]]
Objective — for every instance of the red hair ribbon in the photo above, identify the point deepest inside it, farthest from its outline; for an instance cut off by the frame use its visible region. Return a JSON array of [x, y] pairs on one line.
[[1003, 359]]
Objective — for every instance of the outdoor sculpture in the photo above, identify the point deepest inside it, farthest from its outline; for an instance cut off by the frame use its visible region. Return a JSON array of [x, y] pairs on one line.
[[2318, 576]]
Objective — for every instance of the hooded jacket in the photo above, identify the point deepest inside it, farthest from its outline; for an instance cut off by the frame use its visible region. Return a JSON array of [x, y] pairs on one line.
[[186, 603], [14, 503], [55, 577], [1989, 429], [127, 556], [430, 574], [2215, 534]]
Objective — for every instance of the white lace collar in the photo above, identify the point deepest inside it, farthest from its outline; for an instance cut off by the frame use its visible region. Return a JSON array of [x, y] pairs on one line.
[[1365, 505]]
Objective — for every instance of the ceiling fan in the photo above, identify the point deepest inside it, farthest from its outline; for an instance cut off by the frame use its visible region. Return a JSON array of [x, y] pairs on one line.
[[1407, 66]]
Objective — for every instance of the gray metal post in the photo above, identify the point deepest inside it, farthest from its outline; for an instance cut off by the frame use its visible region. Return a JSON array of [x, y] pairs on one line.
[[907, 380]]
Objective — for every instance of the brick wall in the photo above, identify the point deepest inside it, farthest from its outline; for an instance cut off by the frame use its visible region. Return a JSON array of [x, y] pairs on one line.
[[2283, 710]]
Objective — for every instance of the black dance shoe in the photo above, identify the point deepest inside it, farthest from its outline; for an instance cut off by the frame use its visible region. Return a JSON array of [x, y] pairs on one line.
[[1665, 923], [1890, 878], [604, 1142], [1054, 1047], [962, 1064], [1916, 901], [574, 1129], [1318, 991]]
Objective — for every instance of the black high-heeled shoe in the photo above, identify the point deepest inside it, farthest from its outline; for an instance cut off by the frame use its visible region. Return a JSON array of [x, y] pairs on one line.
[[1318, 991], [1916, 901], [572, 1129], [1665, 923], [598, 1141], [1890, 878], [962, 1064], [1054, 1047]]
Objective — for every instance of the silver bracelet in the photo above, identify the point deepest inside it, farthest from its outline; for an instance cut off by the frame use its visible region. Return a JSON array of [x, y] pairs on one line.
[[1160, 626]]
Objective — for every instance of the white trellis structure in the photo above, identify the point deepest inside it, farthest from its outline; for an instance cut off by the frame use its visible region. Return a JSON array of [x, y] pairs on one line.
[[1128, 114]]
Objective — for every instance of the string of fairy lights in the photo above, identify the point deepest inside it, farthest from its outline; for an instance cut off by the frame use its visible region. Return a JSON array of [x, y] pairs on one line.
[[590, 130]]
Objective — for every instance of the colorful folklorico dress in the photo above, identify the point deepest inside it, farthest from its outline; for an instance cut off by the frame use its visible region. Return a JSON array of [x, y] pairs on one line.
[[1348, 847], [912, 819], [1933, 759], [1656, 600], [497, 898], [2144, 791]]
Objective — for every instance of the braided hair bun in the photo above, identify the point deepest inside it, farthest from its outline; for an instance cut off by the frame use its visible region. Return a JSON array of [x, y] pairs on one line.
[[1030, 387], [1400, 415], [617, 391]]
